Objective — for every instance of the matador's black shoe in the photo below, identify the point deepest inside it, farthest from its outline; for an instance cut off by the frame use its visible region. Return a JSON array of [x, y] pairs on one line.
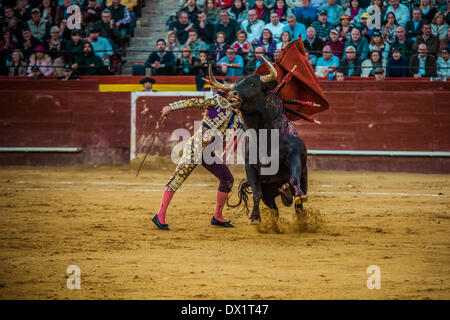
[[225, 224], [159, 224]]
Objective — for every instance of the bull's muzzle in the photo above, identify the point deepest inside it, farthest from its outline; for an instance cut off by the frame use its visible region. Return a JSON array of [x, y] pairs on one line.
[[234, 99]]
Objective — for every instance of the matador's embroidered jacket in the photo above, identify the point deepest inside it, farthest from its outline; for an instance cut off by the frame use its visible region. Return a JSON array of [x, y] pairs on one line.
[[219, 115]]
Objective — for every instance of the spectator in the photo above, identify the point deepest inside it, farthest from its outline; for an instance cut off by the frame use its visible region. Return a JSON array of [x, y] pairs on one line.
[[334, 12], [182, 26], [11, 22], [312, 43], [219, 48], [262, 11], [429, 39], [322, 26], [241, 45], [364, 27], [253, 26], [232, 64], [428, 10], [161, 62], [306, 13], [379, 74], [373, 62], [187, 65], [121, 17], [285, 39], [354, 11], [7, 44], [422, 64], [36, 73], [205, 28], [282, 9], [172, 42], [223, 3], [414, 26], [268, 43], [211, 11], [17, 67], [275, 26], [439, 29], [54, 47], [93, 13], [336, 45], [147, 83], [390, 28], [339, 75], [73, 47], [377, 6], [296, 29], [68, 73], [23, 10], [351, 64], [108, 29], [62, 14], [256, 61], [445, 9], [195, 44], [344, 28], [230, 27], [204, 63], [28, 43], [403, 43], [48, 11], [397, 66], [190, 7], [101, 46], [327, 62], [443, 64], [312, 59], [377, 43], [360, 43], [400, 11], [40, 28], [238, 11], [88, 63], [42, 60]]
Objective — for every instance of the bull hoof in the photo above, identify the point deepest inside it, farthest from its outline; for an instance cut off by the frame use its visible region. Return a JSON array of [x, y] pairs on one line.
[[299, 205]]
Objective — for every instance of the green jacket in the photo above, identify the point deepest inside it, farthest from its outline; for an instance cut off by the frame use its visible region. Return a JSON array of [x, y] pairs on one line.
[[84, 65]]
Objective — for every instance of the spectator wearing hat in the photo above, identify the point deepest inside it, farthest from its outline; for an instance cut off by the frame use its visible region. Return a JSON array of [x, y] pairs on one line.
[[428, 38], [306, 13], [443, 64], [379, 74], [377, 43], [414, 26], [312, 43], [422, 64], [40, 28], [41, 60], [360, 43], [88, 63], [102, 47], [17, 66], [403, 43], [68, 73], [351, 64], [345, 28], [35, 73], [295, 28], [323, 26], [334, 12], [369, 65], [336, 45], [363, 26], [397, 65], [328, 61], [148, 84], [400, 11]]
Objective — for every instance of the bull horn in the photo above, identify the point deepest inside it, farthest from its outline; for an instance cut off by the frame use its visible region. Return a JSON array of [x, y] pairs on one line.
[[273, 72], [217, 84]]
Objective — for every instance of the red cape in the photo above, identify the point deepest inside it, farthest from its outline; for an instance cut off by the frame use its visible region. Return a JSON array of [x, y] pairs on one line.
[[303, 84]]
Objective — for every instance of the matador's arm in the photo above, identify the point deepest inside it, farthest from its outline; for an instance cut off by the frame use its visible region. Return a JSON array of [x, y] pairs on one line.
[[200, 103]]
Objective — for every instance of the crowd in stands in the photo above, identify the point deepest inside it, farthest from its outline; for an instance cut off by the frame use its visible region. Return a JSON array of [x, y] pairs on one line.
[[403, 38], [54, 37]]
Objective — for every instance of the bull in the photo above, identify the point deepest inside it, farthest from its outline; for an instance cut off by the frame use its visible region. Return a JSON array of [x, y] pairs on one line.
[[261, 109]]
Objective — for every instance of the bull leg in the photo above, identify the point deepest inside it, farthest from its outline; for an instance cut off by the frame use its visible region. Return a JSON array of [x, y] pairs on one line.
[[253, 178], [269, 193], [296, 178]]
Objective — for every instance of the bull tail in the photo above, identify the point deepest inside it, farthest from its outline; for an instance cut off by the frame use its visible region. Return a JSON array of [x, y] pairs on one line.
[[243, 192]]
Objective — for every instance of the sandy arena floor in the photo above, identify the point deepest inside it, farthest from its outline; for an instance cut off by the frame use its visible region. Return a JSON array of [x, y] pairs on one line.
[[99, 219]]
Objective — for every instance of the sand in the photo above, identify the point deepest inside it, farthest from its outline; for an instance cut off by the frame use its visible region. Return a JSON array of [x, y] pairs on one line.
[[99, 219]]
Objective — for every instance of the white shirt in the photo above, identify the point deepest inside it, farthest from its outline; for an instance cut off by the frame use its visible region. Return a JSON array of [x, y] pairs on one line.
[[276, 30]]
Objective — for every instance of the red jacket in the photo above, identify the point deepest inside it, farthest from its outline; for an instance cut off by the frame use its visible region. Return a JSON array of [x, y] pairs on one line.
[[223, 3]]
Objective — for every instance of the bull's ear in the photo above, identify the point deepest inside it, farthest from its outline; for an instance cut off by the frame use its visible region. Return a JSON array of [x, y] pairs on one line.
[[269, 86]]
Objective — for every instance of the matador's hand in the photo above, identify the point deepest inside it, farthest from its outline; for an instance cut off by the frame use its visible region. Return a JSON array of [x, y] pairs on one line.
[[165, 111]]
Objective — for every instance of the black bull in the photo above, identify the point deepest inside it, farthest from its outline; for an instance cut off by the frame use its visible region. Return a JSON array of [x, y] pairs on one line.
[[262, 109]]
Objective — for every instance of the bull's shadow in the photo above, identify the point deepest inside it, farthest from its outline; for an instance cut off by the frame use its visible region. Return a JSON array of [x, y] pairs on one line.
[[262, 109]]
